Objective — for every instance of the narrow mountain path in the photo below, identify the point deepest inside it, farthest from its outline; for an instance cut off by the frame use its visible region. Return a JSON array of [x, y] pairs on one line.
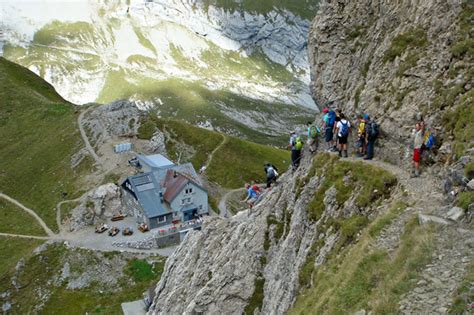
[[211, 156], [26, 236], [453, 242], [31, 212], [89, 148]]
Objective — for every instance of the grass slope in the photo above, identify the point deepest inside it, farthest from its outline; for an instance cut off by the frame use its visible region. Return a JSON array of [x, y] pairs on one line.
[[39, 136], [17, 221], [95, 298], [12, 250], [234, 163], [364, 277]]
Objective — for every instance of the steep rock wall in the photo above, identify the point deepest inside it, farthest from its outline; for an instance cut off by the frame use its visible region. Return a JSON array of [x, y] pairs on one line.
[[396, 60], [253, 262]]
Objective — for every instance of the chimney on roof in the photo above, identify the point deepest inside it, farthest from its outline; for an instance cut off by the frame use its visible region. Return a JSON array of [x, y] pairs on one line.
[[174, 174], [161, 196]]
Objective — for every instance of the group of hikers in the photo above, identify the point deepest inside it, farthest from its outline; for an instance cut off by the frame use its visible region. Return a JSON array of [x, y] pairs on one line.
[[335, 128]]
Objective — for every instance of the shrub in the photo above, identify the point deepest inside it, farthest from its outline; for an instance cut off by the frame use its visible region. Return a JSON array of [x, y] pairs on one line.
[[415, 37], [147, 129], [465, 199], [140, 270], [469, 170]]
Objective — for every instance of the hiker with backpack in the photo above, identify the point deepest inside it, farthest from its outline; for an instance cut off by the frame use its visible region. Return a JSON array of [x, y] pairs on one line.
[[329, 120], [272, 173], [296, 144], [417, 147], [252, 196], [343, 129], [371, 134], [361, 138], [313, 134]]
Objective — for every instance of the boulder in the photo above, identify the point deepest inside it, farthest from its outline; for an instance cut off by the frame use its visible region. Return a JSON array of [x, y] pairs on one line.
[[424, 219], [470, 185], [455, 214], [97, 205]]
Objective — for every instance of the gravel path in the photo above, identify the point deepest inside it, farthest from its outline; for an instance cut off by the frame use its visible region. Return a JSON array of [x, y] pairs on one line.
[[89, 148], [26, 236], [31, 212], [432, 294], [209, 160]]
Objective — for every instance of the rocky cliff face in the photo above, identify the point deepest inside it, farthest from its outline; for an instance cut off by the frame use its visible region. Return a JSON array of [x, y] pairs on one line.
[[253, 262], [397, 61]]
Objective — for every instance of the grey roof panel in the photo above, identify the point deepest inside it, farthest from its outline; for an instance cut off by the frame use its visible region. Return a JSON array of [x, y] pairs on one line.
[[144, 187], [155, 161]]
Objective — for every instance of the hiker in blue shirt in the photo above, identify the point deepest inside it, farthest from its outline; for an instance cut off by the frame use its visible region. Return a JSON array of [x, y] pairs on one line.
[[252, 196], [329, 120]]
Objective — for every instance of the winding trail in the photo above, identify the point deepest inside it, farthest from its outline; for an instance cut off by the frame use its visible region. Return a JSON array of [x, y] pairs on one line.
[[211, 156], [26, 236], [89, 148], [31, 212]]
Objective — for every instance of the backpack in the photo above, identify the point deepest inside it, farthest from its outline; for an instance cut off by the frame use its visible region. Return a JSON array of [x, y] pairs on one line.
[[298, 144], [373, 130], [430, 142], [271, 172], [344, 129], [331, 118], [313, 132]]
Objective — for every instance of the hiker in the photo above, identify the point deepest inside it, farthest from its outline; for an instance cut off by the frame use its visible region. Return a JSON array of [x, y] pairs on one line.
[[252, 196], [313, 134], [361, 138], [343, 128], [329, 120], [296, 144], [371, 134], [337, 119], [417, 144], [272, 172]]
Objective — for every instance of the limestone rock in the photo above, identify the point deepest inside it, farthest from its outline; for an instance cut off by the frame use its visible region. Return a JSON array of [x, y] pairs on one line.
[[455, 214], [425, 219], [470, 185], [156, 145], [98, 204]]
